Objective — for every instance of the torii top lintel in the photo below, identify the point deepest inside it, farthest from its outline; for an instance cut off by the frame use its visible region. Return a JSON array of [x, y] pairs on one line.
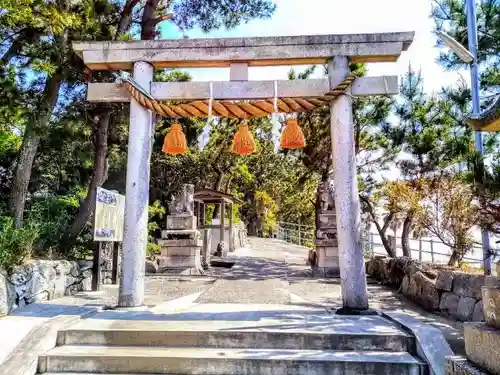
[[255, 51]]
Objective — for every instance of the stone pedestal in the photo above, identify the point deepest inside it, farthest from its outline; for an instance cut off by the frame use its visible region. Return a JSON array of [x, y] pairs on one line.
[[180, 252], [482, 340], [180, 244], [482, 346], [327, 250]]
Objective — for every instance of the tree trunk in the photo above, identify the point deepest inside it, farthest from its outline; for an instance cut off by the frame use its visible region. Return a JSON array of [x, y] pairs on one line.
[[405, 236], [97, 179], [455, 258], [31, 140], [19, 189], [148, 22], [381, 230]]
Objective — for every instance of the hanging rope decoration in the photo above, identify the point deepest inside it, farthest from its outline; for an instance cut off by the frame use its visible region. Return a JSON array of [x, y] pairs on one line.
[[241, 109], [175, 141], [243, 142], [292, 136]]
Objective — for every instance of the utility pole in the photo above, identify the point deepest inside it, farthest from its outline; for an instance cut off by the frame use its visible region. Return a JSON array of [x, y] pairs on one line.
[[478, 137]]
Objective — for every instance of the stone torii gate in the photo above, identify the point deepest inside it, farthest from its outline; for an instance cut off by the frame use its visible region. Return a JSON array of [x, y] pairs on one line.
[[238, 54]]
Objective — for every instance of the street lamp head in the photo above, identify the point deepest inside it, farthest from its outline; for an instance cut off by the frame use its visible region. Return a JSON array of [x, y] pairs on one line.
[[462, 52]]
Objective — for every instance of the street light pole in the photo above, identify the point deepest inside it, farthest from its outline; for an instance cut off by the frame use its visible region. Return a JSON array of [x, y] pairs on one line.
[[478, 137]]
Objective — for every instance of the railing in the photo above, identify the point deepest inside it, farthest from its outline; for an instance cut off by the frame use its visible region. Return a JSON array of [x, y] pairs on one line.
[[424, 249], [298, 234]]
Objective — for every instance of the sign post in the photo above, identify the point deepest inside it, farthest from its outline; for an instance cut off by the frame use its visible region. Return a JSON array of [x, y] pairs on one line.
[[108, 227]]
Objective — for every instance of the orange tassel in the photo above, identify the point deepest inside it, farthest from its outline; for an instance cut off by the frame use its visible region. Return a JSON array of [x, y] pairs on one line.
[[243, 143], [292, 136], [175, 140]]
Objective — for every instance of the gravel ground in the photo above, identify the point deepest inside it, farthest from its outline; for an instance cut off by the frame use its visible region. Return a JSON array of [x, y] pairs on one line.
[[247, 291], [159, 289]]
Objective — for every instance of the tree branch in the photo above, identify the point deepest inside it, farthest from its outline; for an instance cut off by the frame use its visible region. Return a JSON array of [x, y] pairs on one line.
[[126, 17]]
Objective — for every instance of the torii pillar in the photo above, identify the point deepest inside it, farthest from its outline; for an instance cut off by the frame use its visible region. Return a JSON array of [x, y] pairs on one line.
[[351, 259], [135, 236]]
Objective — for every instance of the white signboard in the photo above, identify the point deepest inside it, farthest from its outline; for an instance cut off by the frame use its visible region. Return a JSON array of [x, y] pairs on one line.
[[109, 216]]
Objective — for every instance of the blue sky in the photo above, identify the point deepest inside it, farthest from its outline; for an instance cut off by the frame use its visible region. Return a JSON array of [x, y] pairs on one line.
[[301, 17]]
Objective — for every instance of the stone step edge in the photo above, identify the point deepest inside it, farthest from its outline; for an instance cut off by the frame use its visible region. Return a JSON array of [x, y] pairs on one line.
[[90, 351], [394, 342], [223, 330]]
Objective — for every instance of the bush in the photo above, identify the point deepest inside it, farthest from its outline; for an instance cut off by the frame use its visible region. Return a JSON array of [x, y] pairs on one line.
[[16, 244]]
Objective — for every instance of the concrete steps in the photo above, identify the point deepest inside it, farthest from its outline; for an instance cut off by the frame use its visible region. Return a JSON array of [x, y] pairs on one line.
[[208, 361], [233, 339], [272, 334]]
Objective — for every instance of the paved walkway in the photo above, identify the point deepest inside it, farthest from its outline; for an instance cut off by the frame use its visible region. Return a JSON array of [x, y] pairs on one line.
[[271, 272]]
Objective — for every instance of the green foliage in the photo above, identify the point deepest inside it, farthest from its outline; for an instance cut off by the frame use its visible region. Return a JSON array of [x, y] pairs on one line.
[[152, 249], [210, 15], [16, 244], [156, 214], [266, 209]]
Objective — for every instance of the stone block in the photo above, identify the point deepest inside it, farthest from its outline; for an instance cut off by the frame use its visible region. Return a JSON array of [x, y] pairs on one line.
[[326, 234], [327, 251], [179, 262], [405, 286], [326, 242], [465, 309], [449, 302], [456, 365], [181, 222], [197, 242], [325, 195], [413, 267], [398, 270], [178, 251], [493, 281], [150, 267], [382, 269], [328, 221], [491, 305], [329, 262], [482, 346], [7, 294], [369, 266], [478, 314], [423, 291], [444, 280], [468, 285]]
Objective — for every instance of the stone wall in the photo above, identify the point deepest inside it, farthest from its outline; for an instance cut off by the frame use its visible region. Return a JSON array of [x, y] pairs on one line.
[[42, 280], [450, 293]]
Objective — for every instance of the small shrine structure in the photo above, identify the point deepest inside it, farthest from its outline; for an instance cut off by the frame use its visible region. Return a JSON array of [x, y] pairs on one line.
[[223, 239]]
